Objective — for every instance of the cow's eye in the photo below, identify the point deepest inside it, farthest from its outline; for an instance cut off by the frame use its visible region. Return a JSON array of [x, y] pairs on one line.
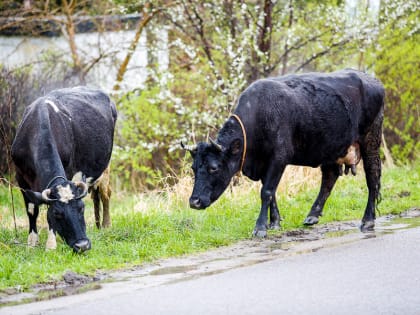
[[213, 169]]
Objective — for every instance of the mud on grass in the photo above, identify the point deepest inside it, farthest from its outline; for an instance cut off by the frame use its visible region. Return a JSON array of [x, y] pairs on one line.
[[159, 225]]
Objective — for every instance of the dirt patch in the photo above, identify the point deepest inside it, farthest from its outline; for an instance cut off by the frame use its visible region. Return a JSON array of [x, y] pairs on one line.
[[243, 253], [73, 278]]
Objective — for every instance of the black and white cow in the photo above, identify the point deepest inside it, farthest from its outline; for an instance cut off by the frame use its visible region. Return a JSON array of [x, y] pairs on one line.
[[66, 134], [309, 119]]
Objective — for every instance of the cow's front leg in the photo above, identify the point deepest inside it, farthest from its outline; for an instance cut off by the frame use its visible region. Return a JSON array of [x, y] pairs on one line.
[[268, 192], [330, 174], [32, 210], [275, 217]]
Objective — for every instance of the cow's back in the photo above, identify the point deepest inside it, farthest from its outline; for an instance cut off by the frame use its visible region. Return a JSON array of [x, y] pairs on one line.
[[73, 127], [93, 117], [313, 117]]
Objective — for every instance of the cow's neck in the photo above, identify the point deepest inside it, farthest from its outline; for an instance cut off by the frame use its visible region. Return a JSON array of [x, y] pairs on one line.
[[53, 173], [47, 159], [231, 131]]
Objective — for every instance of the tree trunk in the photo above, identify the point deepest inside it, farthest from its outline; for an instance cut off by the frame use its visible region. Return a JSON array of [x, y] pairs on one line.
[[265, 37], [71, 33], [263, 42], [286, 46], [147, 17]]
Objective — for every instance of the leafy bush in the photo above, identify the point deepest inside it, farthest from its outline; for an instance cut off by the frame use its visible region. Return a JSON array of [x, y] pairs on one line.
[[147, 139], [396, 58]]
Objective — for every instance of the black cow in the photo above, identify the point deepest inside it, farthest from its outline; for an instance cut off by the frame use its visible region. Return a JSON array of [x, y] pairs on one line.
[[309, 119], [69, 132]]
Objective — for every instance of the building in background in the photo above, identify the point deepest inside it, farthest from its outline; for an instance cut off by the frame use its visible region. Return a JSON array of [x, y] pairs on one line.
[[102, 42]]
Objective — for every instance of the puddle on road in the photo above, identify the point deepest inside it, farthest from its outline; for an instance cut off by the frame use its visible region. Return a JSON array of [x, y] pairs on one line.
[[245, 253], [171, 270], [340, 233]]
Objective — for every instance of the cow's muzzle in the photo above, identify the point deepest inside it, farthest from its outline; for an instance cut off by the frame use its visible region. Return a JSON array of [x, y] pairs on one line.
[[81, 246], [196, 203]]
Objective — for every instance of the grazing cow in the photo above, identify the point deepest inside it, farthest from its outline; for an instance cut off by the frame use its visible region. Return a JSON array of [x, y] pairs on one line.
[[309, 119], [69, 132]]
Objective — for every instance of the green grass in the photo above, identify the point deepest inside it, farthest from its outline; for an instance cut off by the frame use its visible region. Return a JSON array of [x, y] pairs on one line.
[[158, 225]]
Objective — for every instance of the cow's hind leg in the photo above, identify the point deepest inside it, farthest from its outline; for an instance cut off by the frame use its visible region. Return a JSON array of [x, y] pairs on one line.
[[372, 166], [330, 174], [270, 182], [96, 206], [105, 192]]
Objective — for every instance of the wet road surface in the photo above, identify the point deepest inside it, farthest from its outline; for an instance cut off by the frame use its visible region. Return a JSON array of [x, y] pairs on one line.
[[351, 273]]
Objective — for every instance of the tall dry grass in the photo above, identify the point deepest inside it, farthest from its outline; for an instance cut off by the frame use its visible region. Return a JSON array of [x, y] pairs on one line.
[[294, 180]]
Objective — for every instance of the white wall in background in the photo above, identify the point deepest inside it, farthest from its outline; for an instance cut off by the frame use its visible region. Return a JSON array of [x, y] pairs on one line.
[[18, 51]]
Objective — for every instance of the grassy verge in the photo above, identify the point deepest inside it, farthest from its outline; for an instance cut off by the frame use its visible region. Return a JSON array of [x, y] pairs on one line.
[[160, 224]]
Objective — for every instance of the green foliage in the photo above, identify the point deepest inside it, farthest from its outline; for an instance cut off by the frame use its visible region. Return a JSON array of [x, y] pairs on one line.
[[148, 133], [396, 62]]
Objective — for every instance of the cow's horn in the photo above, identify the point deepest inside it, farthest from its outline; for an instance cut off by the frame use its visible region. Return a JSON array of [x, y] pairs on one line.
[[84, 187], [215, 144], [46, 195], [189, 148]]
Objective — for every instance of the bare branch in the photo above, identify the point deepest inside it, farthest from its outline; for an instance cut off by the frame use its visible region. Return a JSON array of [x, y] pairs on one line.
[[147, 17], [321, 53]]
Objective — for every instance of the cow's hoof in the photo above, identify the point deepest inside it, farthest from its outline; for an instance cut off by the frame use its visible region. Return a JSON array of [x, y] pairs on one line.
[[274, 225], [367, 226], [311, 220], [259, 233], [33, 239], [51, 241], [106, 224]]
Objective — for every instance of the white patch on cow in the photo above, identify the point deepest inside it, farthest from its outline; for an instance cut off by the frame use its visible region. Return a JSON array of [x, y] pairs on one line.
[[248, 104], [52, 104], [64, 193], [51, 241], [33, 239], [78, 177], [31, 208], [89, 181]]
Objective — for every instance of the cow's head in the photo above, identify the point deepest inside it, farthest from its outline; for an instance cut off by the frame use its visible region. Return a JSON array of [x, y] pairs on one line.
[[214, 166], [66, 212]]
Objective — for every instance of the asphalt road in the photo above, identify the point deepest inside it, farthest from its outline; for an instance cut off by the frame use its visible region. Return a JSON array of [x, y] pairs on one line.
[[379, 275]]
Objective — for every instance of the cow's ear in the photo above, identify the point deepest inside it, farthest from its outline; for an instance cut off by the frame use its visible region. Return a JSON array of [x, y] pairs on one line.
[[34, 197], [235, 146]]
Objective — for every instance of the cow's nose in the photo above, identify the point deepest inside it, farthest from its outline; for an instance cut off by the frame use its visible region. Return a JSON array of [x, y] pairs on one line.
[[195, 202], [81, 246]]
